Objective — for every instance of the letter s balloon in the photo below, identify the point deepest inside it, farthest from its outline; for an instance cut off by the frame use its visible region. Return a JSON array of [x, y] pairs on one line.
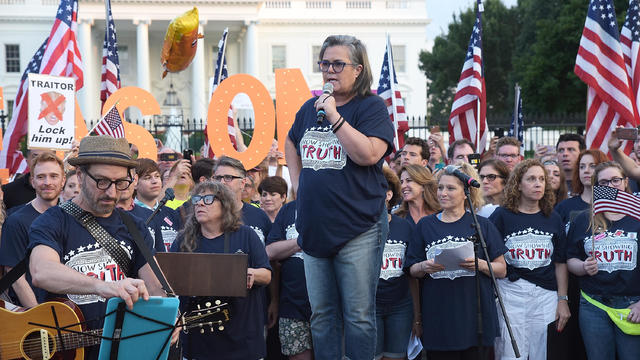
[[180, 42]]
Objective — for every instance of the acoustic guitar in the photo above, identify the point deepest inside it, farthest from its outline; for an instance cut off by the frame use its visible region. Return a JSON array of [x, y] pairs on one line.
[[21, 338]]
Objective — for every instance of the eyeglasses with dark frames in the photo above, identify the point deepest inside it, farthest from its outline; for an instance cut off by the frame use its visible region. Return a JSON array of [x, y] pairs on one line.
[[104, 184], [490, 177], [338, 66], [613, 181], [207, 199], [226, 178]]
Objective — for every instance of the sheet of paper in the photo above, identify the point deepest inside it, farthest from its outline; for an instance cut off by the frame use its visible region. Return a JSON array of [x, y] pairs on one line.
[[453, 256]]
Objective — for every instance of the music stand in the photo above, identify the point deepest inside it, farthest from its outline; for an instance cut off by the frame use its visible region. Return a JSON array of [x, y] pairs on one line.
[[204, 274]]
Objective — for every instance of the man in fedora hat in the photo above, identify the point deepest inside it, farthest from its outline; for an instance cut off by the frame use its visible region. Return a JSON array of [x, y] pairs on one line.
[[67, 258]]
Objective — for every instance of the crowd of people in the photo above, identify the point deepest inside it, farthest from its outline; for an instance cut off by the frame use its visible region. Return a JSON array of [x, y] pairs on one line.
[[343, 242]]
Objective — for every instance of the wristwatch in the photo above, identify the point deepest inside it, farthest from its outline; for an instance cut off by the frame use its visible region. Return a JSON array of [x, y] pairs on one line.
[[563, 297]]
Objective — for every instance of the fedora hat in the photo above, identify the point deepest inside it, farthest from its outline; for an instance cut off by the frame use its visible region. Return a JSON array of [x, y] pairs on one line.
[[104, 149]]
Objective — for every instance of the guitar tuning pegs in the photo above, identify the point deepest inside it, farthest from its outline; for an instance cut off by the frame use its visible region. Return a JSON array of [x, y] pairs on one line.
[[220, 328], [218, 302], [208, 304], [201, 331]]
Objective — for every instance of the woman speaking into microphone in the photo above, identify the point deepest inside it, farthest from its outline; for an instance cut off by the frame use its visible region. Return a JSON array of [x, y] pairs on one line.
[[335, 162]]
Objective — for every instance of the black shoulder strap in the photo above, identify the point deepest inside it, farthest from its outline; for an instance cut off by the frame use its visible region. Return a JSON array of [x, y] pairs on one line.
[[146, 252], [13, 275]]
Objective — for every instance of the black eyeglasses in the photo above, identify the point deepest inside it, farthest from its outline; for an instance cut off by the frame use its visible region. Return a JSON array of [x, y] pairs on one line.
[[490, 177], [104, 184], [227, 178], [207, 199], [614, 181], [550, 162], [338, 66]]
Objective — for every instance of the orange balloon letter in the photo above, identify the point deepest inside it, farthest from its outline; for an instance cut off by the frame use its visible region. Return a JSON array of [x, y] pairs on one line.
[[291, 92]]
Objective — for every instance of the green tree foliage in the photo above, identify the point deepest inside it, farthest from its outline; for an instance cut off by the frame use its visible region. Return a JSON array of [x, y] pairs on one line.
[[534, 43]]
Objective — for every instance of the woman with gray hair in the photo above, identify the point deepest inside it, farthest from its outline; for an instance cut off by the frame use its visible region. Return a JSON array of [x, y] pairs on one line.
[[216, 220], [335, 151]]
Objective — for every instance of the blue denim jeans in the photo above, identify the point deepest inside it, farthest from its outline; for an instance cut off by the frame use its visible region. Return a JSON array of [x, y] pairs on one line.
[[394, 322], [603, 340], [342, 293]]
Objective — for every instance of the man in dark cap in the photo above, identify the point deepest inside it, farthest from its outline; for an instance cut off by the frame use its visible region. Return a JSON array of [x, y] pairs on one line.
[[70, 261]]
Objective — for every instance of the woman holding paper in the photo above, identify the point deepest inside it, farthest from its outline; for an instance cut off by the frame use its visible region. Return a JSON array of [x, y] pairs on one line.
[[536, 286], [452, 313], [611, 277]]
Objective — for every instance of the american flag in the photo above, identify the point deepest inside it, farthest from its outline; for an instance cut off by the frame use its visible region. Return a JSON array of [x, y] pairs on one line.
[[59, 56], [517, 122], [471, 94], [600, 64], [110, 62], [388, 91], [607, 198], [220, 74], [110, 124]]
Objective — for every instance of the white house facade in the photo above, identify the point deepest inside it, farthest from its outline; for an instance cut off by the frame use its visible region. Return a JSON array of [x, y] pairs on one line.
[[263, 36]]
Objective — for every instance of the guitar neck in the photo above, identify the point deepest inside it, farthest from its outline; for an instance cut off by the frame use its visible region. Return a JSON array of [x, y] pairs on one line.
[[86, 339]]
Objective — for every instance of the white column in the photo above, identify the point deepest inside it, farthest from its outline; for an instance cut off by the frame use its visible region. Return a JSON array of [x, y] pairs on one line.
[[251, 48], [86, 96], [198, 99], [142, 50]]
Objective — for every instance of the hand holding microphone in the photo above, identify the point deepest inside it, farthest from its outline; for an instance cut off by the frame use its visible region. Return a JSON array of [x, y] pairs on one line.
[[326, 89]]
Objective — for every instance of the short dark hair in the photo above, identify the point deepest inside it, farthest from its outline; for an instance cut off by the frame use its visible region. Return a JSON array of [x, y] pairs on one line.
[[424, 146], [508, 140], [274, 184], [457, 143], [499, 166], [202, 167], [572, 137], [146, 167], [357, 55], [231, 162]]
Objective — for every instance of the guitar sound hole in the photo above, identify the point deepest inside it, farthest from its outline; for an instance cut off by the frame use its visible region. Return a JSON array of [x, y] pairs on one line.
[[32, 346]]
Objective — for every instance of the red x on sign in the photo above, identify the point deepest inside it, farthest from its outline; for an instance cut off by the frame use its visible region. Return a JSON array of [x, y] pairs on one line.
[[52, 104]]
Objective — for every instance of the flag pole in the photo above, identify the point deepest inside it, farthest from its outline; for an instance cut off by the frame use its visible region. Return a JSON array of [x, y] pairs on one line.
[[392, 77], [479, 107], [516, 120], [224, 49]]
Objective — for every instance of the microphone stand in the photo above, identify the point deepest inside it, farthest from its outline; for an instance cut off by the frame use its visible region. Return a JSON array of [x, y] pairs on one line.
[[479, 241], [168, 195]]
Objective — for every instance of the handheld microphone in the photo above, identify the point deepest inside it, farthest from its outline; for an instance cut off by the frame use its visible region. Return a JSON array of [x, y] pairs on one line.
[[466, 179], [168, 195], [326, 89]]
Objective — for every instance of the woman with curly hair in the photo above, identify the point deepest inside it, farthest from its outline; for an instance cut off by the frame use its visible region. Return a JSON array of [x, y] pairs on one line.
[[602, 252], [418, 189], [535, 290], [581, 184], [449, 299], [214, 225]]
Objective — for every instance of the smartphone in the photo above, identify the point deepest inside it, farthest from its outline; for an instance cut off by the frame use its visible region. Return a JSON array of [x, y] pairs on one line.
[[186, 154], [499, 133], [435, 129], [474, 160], [168, 157], [627, 133]]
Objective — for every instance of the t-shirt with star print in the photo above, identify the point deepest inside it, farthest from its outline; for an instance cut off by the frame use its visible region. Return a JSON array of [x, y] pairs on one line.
[[294, 300], [534, 242], [448, 298], [337, 198], [80, 251], [616, 252], [393, 285], [256, 219]]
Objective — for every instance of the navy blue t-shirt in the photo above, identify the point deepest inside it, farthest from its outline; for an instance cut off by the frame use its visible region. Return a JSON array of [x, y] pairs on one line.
[[337, 198], [294, 300], [534, 242], [616, 252], [14, 242], [448, 298], [80, 251], [393, 284], [257, 220], [243, 335], [166, 223], [569, 208]]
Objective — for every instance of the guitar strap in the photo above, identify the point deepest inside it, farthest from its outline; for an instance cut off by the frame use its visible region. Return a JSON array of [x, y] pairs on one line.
[[106, 241], [144, 249], [13, 275]]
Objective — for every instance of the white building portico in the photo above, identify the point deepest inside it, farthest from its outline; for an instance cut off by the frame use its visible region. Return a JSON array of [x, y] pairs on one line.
[[263, 36]]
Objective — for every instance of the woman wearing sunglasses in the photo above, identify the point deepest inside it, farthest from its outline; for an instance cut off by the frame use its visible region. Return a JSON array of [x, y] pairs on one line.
[[493, 176], [609, 275], [335, 151], [214, 224]]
